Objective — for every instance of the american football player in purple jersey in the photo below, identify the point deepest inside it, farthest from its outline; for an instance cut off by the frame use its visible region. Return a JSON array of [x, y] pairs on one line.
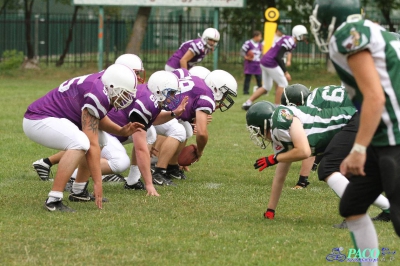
[[193, 51], [216, 90], [72, 117], [273, 66]]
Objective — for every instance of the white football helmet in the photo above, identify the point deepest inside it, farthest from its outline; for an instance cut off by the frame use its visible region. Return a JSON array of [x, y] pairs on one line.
[[223, 86], [199, 71], [165, 86], [120, 83], [210, 34], [135, 63], [299, 32]]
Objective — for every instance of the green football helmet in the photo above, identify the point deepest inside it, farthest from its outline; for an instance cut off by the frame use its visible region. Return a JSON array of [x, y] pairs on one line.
[[258, 124], [295, 95], [328, 15]]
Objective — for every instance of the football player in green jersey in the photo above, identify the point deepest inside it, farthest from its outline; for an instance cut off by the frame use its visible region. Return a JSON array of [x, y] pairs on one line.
[[296, 133], [366, 58], [328, 97]]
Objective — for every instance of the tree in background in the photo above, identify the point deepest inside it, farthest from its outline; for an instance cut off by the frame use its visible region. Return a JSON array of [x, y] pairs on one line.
[[385, 6], [138, 30]]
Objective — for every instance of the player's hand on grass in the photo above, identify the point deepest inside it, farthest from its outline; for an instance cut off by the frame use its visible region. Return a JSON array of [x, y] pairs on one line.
[[98, 194]]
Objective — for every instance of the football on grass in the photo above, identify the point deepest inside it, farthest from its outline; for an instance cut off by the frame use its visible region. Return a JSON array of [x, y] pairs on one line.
[[188, 155]]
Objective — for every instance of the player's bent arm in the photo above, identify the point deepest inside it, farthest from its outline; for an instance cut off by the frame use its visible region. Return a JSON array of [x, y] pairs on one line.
[[202, 132], [90, 126], [107, 125], [143, 159], [301, 148], [186, 58], [368, 81]]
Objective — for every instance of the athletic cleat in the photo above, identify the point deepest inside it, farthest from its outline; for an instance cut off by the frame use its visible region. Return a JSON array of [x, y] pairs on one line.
[[57, 206], [68, 186], [42, 169], [84, 196], [342, 225], [152, 168], [137, 186], [301, 185], [161, 180], [176, 173], [382, 217], [246, 106], [113, 178]]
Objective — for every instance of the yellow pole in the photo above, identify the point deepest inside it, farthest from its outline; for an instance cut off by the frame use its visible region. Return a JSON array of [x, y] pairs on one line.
[[271, 15]]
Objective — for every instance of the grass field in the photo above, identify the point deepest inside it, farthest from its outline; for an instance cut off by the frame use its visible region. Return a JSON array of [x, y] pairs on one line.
[[212, 218]]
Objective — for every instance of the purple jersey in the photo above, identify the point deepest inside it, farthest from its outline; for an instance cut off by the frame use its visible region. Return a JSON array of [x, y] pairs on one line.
[[200, 95], [252, 67], [198, 49], [270, 58], [70, 98], [143, 109]]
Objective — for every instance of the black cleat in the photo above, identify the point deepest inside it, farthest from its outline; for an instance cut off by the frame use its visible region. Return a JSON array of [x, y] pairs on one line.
[[42, 169], [161, 180], [113, 178], [137, 186], [342, 225], [84, 196], [382, 217], [57, 206], [301, 185], [176, 173], [68, 186]]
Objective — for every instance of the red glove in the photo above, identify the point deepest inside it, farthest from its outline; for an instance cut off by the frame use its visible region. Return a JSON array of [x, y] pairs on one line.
[[264, 162], [269, 214]]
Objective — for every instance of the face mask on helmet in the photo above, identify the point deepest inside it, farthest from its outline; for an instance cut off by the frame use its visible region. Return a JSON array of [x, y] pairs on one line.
[[224, 87], [165, 87], [326, 17], [135, 63], [120, 84], [210, 38], [295, 95], [257, 118]]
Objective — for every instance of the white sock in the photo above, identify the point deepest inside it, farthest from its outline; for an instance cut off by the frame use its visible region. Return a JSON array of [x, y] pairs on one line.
[[55, 196], [338, 183], [134, 175], [363, 234], [78, 187], [248, 102], [382, 202]]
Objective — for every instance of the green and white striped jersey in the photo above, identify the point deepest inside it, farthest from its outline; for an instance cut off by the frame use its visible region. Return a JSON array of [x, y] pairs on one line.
[[320, 125], [350, 38], [328, 97]]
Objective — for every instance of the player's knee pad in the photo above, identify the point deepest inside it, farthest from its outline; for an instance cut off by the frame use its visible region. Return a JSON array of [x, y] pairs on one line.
[[119, 162], [102, 138], [188, 128], [176, 131], [80, 142], [151, 135]]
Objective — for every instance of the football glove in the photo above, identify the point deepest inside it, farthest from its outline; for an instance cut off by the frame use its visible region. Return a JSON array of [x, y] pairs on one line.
[[269, 214], [264, 162]]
